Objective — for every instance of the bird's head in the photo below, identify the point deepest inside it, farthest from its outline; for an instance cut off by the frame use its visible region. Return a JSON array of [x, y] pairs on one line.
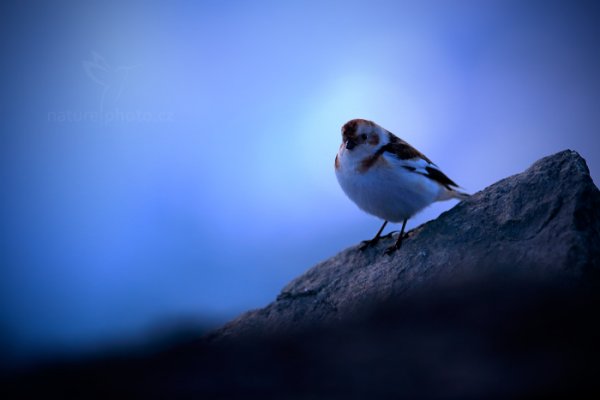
[[362, 137]]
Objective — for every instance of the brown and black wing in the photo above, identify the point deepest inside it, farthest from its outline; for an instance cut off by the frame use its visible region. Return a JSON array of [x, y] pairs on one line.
[[417, 162]]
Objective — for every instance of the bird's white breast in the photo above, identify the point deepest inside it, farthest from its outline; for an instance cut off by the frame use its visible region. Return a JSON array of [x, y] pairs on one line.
[[386, 190]]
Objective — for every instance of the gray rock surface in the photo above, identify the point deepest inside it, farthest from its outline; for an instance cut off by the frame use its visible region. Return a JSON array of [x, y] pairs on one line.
[[496, 298], [542, 222]]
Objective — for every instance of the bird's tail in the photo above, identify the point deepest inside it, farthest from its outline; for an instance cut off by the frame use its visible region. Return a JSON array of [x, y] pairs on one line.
[[454, 194]]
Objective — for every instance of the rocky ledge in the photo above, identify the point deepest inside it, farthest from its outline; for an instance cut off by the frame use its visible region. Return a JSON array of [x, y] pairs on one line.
[[541, 223], [496, 298]]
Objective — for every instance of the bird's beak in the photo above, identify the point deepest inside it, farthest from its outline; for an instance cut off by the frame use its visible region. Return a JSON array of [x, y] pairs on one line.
[[350, 144]]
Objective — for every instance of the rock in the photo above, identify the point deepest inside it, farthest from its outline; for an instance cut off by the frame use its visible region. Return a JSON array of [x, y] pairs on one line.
[[542, 222], [496, 298]]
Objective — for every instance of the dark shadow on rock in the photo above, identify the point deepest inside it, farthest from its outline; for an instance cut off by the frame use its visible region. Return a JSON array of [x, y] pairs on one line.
[[495, 298]]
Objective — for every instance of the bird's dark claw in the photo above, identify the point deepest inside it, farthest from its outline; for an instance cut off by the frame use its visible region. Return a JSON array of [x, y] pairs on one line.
[[388, 235], [390, 250], [365, 244]]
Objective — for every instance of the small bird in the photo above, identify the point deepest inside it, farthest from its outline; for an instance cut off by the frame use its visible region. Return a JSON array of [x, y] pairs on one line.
[[387, 177]]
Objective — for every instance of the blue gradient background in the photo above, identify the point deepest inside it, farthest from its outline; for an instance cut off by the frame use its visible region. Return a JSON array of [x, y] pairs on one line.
[[111, 228]]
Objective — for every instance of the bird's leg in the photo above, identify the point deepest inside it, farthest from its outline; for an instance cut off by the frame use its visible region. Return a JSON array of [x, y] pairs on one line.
[[398, 243], [387, 235], [368, 243]]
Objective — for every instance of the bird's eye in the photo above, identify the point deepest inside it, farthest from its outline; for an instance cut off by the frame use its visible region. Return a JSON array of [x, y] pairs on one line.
[[363, 136]]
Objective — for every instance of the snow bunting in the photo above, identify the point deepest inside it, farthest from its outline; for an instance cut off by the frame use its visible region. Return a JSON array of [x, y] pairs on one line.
[[387, 177]]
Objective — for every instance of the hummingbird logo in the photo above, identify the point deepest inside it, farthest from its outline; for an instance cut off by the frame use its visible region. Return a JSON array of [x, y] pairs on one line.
[[112, 79]]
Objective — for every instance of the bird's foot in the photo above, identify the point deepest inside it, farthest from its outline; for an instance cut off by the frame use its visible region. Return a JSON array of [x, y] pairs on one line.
[[365, 244], [388, 235], [390, 250]]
